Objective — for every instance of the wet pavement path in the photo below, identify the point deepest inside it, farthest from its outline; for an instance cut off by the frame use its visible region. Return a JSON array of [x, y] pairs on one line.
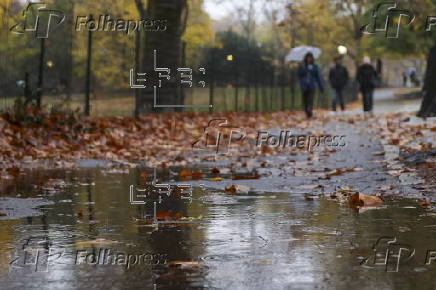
[[80, 229]]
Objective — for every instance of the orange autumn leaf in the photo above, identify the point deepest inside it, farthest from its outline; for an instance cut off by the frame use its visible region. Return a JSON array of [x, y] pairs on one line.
[[231, 189], [185, 174], [144, 175], [245, 177], [424, 203], [361, 200], [167, 216], [197, 175]]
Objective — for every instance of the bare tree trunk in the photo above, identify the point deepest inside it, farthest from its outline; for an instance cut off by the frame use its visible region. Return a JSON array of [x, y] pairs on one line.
[[428, 106], [168, 46]]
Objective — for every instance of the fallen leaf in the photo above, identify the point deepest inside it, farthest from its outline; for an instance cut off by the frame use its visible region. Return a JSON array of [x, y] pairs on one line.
[[245, 177], [186, 264], [424, 202], [234, 189], [98, 241], [361, 200]]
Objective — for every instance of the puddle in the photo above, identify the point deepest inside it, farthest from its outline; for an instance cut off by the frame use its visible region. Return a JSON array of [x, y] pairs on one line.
[[252, 241]]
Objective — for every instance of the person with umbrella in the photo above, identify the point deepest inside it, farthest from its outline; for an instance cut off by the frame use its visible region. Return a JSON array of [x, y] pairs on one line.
[[338, 77], [310, 77]]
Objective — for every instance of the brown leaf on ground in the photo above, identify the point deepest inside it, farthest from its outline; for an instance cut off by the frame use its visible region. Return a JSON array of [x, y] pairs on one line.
[[231, 189], [234, 189], [197, 175], [245, 177], [185, 174]]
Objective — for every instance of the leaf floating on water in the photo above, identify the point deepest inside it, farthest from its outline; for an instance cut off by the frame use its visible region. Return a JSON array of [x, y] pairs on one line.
[[358, 200], [197, 175], [234, 189], [167, 215], [185, 174], [424, 202], [98, 241], [186, 264]]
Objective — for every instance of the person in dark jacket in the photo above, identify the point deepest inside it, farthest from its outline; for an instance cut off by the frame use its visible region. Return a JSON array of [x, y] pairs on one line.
[[338, 77], [367, 78], [310, 77]]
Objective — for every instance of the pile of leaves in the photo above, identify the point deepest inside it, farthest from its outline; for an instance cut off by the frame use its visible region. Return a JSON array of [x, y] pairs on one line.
[[30, 136]]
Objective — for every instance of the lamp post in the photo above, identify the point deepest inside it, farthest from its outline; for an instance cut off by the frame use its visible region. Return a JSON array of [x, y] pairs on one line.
[[230, 58]]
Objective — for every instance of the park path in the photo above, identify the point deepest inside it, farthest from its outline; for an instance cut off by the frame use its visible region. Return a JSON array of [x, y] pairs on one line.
[[385, 101], [286, 232], [312, 172]]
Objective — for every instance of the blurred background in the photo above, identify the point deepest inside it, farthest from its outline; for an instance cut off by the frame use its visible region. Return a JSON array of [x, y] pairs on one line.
[[241, 44]]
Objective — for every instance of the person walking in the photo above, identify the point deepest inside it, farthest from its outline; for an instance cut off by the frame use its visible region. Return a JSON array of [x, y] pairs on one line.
[[310, 77], [367, 78], [338, 77]]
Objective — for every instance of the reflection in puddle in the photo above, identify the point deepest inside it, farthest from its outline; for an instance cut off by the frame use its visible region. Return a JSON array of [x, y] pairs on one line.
[[218, 240]]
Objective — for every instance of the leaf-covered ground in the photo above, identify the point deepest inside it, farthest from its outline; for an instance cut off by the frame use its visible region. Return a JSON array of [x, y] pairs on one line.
[[167, 138]]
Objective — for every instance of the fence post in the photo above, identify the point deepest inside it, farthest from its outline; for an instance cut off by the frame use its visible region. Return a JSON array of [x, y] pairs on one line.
[[26, 87], [272, 95], [181, 96], [282, 89], [293, 88], [137, 68], [236, 87], [212, 81], [88, 71], [256, 88], [41, 73]]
